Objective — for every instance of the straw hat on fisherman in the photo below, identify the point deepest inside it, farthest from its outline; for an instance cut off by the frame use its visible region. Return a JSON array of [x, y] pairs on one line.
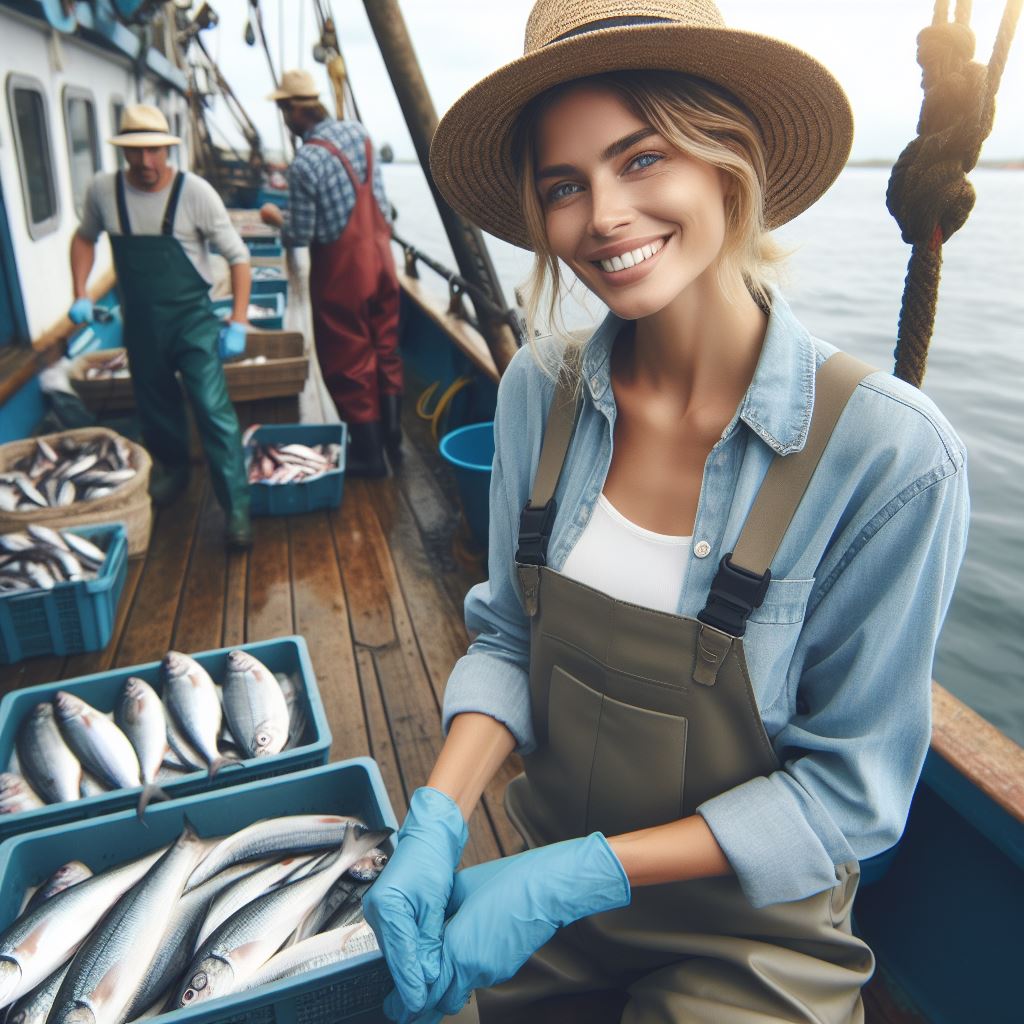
[[143, 125], [297, 86], [801, 110]]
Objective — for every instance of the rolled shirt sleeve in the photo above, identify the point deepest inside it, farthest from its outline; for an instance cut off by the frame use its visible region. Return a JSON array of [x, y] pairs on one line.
[[493, 677], [852, 754]]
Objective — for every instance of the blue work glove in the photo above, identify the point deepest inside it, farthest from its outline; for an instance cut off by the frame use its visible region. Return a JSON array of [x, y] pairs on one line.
[[406, 906], [81, 311], [231, 341], [508, 914]]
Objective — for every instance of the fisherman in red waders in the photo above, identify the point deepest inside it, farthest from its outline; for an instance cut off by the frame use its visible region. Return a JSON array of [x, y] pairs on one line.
[[337, 207]]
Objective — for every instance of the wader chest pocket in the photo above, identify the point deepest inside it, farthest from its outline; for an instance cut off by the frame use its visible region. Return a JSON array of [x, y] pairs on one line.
[[621, 767]]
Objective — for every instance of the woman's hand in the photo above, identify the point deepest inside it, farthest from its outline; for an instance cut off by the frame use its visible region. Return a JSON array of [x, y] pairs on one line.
[[506, 910], [406, 906]]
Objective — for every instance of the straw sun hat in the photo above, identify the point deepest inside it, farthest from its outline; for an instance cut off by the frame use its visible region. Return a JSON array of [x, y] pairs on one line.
[[143, 125], [296, 85], [802, 111]]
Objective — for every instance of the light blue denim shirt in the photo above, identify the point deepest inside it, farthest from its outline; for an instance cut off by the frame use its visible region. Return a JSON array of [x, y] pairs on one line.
[[840, 652]]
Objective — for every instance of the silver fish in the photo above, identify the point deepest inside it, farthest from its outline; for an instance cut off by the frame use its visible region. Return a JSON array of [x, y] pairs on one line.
[[140, 715], [67, 493], [80, 465], [41, 941], [183, 754], [45, 535], [299, 833], [342, 905], [35, 1007], [84, 548], [245, 891], [369, 867], [91, 786], [297, 719], [46, 450], [63, 878], [97, 742], [16, 795], [333, 947], [245, 941], [46, 760], [111, 965], [254, 705], [16, 542], [191, 697], [29, 491], [179, 939]]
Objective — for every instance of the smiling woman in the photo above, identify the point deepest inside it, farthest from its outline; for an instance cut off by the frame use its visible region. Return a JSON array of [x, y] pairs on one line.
[[705, 628]]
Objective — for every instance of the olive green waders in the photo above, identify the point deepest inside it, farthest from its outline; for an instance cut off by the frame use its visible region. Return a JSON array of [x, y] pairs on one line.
[[169, 328], [640, 716]]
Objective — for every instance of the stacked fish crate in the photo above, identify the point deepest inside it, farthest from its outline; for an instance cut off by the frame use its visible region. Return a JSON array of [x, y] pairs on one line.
[[240, 903], [295, 468]]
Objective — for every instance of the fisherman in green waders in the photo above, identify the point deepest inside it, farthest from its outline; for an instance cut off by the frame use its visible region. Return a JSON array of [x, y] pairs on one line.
[[160, 221]]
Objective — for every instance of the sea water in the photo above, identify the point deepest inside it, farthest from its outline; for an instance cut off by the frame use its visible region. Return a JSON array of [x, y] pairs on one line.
[[844, 280]]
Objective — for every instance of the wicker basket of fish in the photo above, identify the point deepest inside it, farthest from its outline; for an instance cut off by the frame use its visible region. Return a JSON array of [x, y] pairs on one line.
[[82, 747], [295, 468], [243, 905], [59, 590], [75, 478]]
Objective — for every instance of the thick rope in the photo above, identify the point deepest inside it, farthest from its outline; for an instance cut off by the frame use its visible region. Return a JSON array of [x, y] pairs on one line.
[[928, 193]]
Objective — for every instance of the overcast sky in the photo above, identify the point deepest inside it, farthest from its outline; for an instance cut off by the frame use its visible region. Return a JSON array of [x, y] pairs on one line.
[[870, 45]]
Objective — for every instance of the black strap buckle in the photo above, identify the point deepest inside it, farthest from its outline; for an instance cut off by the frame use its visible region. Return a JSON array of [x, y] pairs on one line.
[[735, 593], [535, 525]]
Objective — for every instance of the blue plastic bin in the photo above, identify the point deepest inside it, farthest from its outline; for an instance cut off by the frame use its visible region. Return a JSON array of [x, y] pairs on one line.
[[269, 281], [286, 654], [305, 496], [353, 991], [273, 321], [470, 452], [72, 617], [264, 247]]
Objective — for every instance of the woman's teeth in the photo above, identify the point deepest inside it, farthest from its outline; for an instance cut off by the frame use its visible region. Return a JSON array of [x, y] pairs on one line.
[[631, 259]]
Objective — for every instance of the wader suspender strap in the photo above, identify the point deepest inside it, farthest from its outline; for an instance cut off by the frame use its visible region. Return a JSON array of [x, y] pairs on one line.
[[744, 574], [167, 228], [538, 516]]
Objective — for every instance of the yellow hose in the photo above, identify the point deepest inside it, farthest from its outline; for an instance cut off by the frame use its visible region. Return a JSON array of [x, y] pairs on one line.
[[433, 417]]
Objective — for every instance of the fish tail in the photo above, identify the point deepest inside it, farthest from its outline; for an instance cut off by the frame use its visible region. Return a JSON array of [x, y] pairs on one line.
[[217, 763], [147, 796]]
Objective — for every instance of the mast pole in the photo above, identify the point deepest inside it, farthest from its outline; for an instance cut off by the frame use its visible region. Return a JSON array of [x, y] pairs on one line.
[[466, 240]]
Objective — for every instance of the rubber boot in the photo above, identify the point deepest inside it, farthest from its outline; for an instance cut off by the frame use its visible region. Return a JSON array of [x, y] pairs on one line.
[[391, 415], [365, 456], [166, 485], [238, 533]]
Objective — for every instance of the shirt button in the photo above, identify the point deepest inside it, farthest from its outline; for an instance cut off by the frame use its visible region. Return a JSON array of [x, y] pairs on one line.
[[702, 549]]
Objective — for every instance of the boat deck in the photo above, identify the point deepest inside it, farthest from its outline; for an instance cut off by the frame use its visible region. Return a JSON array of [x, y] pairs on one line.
[[376, 589]]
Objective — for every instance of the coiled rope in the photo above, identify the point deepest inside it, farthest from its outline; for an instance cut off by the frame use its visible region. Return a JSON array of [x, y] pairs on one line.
[[928, 193]]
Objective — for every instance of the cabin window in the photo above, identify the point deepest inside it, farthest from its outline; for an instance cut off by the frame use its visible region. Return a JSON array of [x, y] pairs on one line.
[[27, 104], [83, 142], [116, 110]]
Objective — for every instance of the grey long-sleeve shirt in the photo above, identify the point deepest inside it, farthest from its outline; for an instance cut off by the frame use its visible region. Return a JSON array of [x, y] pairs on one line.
[[201, 218]]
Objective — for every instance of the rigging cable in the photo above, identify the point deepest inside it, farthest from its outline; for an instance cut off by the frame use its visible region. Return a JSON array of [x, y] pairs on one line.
[[928, 193]]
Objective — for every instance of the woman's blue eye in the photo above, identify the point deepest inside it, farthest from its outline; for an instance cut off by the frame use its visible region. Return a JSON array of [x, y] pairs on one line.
[[561, 191], [644, 160]]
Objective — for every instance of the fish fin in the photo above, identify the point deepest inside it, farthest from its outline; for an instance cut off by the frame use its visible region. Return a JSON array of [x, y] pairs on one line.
[[147, 796]]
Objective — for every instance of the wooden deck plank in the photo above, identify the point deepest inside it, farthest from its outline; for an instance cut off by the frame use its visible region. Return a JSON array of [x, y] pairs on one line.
[[382, 746], [150, 626], [200, 620], [409, 697], [269, 609], [235, 588], [321, 616]]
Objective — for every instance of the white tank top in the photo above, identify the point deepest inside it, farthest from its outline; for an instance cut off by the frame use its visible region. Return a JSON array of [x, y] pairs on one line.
[[627, 562]]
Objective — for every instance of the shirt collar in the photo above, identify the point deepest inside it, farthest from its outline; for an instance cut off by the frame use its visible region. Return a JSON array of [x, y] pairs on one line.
[[312, 131], [780, 399]]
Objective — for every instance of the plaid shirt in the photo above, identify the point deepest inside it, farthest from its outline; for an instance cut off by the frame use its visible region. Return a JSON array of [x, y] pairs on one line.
[[321, 196]]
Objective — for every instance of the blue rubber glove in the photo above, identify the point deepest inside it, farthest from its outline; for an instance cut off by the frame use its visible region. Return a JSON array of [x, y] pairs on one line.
[[508, 914], [406, 906], [231, 341], [81, 311]]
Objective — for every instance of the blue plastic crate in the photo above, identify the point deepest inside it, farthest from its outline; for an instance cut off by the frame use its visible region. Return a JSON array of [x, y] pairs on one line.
[[287, 654], [353, 991], [264, 247], [269, 281], [273, 321], [71, 617], [293, 499]]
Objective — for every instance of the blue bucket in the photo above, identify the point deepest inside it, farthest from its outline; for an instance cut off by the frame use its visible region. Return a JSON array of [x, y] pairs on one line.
[[470, 452]]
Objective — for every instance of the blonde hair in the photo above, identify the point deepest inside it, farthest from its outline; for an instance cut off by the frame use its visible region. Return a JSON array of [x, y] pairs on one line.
[[702, 121]]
